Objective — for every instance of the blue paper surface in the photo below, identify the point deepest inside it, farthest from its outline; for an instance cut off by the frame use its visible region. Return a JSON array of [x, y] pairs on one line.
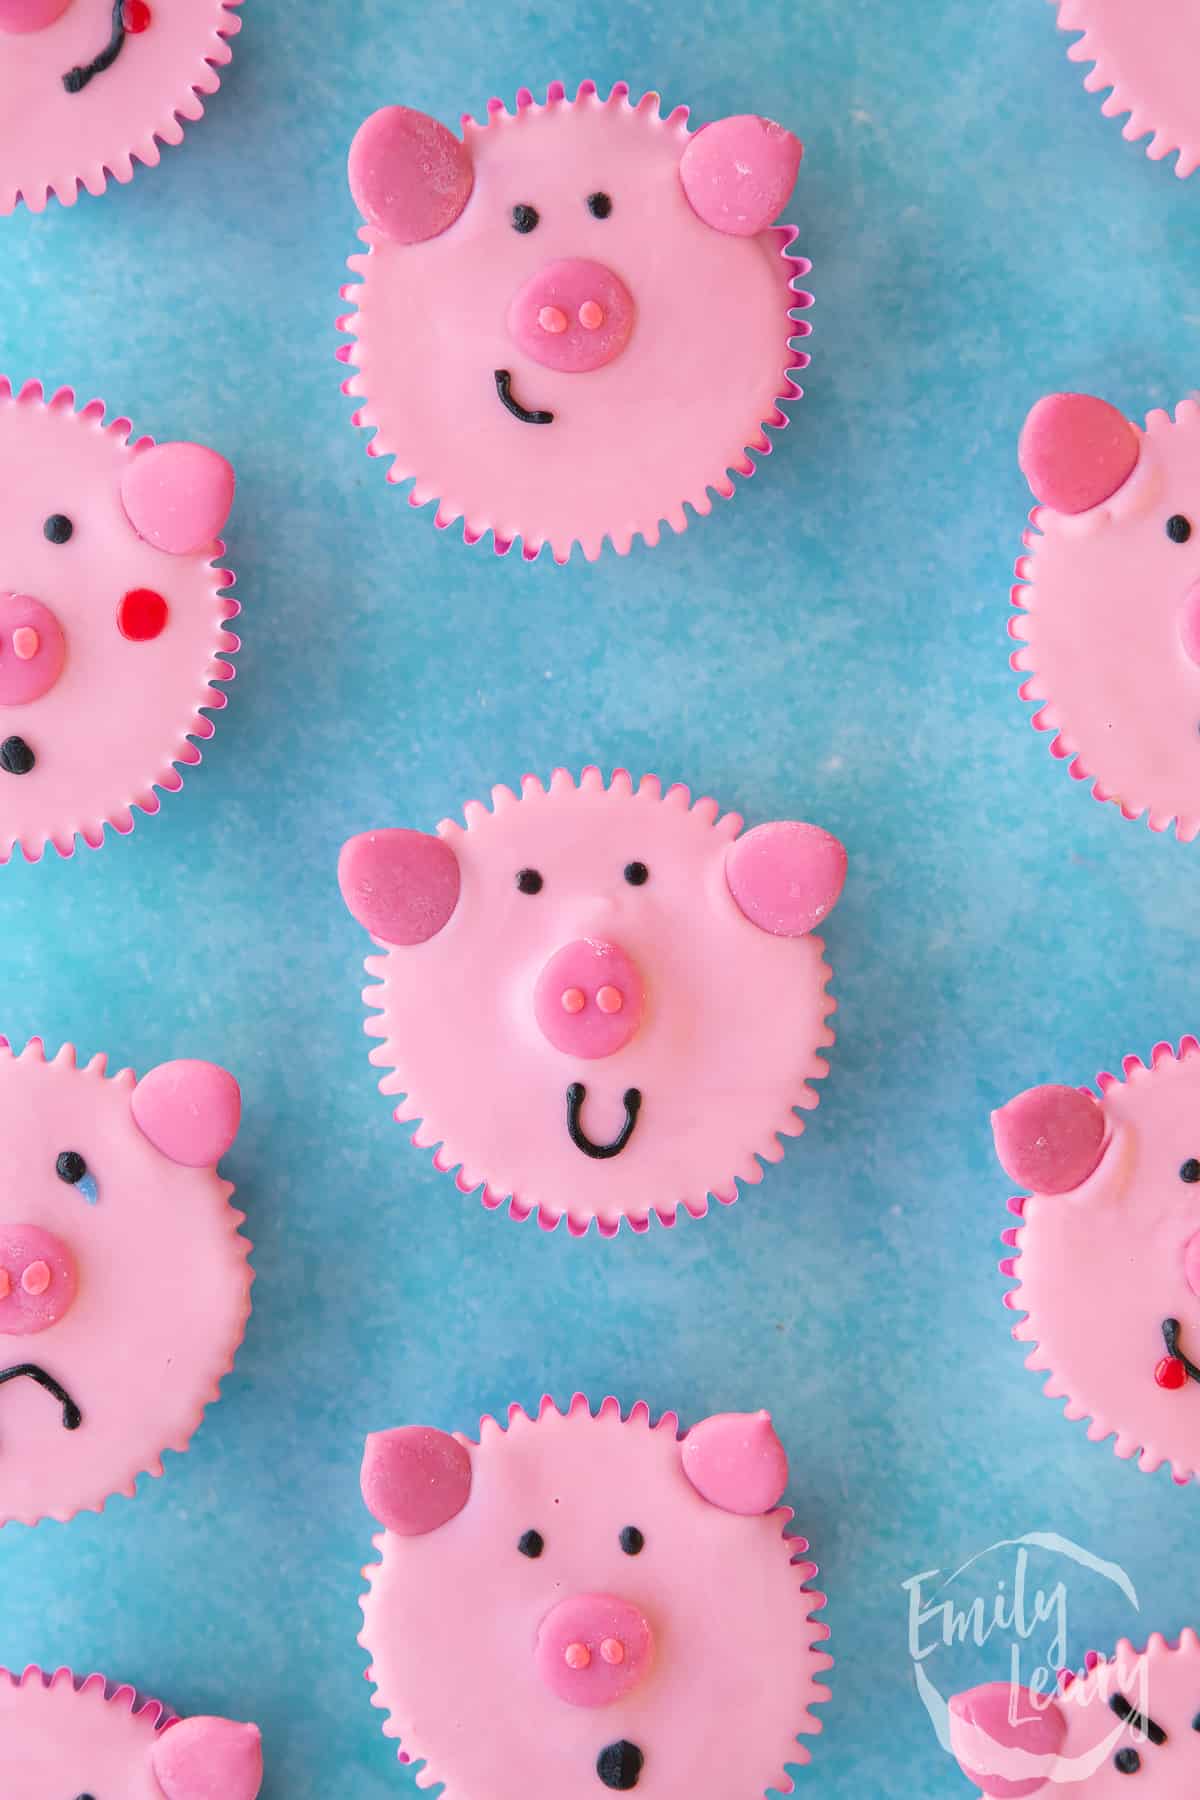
[[831, 645]]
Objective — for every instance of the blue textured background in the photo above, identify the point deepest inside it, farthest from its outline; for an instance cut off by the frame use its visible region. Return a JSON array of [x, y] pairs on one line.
[[830, 644]]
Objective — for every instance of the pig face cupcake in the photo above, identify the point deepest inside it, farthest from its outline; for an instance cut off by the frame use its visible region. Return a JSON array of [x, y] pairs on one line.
[[575, 320], [124, 1285], [1107, 1252], [1147, 56], [603, 1603], [599, 1002], [67, 1737], [89, 87], [112, 618], [1133, 1714], [1109, 591]]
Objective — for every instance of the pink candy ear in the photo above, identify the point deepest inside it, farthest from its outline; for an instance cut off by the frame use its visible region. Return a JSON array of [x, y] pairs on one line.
[[1049, 1139], [1076, 451], [189, 1110], [415, 1478], [1006, 1741], [786, 877], [410, 177], [739, 174], [736, 1462], [402, 885], [20, 16], [208, 1759], [178, 496]]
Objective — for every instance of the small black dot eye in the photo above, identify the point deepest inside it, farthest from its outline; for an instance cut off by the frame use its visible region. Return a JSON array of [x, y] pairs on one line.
[[58, 528], [1127, 1762], [599, 205], [1196, 1723], [637, 874], [529, 881], [524, 218], [632, 1541], [531, 1544], [71, 1168], [1179, 529], [1190, 1170]]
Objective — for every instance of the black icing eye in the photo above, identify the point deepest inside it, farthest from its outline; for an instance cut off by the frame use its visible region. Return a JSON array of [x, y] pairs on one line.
[[71, 1168], [529, 881], [637, 874], [1196, 1723], [1190, 1171], [531, 1544], [1179, 529], [524, 218], [599, 205], [58, 528], [632, 1541], [1127, 1762]]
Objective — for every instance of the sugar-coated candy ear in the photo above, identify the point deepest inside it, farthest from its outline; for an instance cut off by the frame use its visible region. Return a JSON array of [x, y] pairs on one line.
[[415, 1478], [189, 1110], [410, 177], [208, 1759], [1076, 451], [738, 173], [178, 496], [20, 16], [1049, 1139], [402, 885], [1006, 1740], [786, 877], [736, 1462]]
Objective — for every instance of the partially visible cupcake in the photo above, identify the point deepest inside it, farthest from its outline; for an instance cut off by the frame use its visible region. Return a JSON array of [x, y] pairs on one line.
[[1147, 57]]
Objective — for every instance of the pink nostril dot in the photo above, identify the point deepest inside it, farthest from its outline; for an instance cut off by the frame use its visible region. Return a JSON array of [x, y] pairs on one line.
[[26, 643], [591, 315], [577, 1656], [574, 1000], [36, 1278], [613, 1651], [552, 318], [610, 999]]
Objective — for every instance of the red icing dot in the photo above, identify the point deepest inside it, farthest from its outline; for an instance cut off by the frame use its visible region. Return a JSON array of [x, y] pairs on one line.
[[1170, 1373], [136, 16], [142, 615]]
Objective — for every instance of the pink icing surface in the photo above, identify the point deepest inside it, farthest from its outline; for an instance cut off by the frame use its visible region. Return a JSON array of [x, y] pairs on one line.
[[61, 1737], [1147, 55], [162, 1289], [719, 1626], [1102, 1266], [635, 436], [120, 714], [1014, 1745], [1103, 632], [54, 142], [729, 1041]]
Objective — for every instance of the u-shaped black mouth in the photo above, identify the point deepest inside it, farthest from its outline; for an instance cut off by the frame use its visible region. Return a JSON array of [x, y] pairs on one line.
[[504, 389], [1170, 1330], [72, 1418], [16, 758], [75, 80], [576, 1095]]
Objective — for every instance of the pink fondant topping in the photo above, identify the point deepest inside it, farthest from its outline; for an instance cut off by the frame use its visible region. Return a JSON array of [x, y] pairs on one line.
[[786, 877], [577, 1656], [613, 991], [189, 1110], [609, 999], [1049, 1138], [568, 1654], [41, 1279], [540, 316], [415, 1479], [612, 1650], [574, 1000], [178, 497], [36, 1278], [21, 16], [36, 650], [26, 643], [737, 1462], [1143, 61], [402, 886], [209, 1759], [1076, 451], [552, 318], [410, 177], [739, 174]]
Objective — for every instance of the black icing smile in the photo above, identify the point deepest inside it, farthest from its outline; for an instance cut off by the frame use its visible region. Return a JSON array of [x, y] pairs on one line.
[[72, 1417], [75, 80], [16, 758], [504, 389], [1170, 1331], [576, 1095]]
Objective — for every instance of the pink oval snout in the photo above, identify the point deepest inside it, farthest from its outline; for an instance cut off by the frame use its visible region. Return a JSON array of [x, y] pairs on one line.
[[589, 999], [593, 1648], [37, 1279], [32, 649], [572, 316], [17, 17], [1189, 622]]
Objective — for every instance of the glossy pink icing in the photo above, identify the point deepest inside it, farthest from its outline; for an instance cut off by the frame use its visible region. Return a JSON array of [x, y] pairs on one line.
[[700, 317], [736, 1461], [63, 1737], [1103, 631], [1012, 1744], [38, 1280], [415, 1479], [1076, 451], [468, 1637], [178, 497], [163, 1288], [117, 720], [727, 1046], [189, 1110], [786, 876], [53, 141], [739, 174], [1147, 55], [589, 999], [1102, 1266], [1049, 1138], [402, 885]]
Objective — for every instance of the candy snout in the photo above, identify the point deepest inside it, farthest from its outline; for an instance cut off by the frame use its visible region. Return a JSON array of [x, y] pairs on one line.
[[589, 999], [37, 1280], [572, 316], [32, 649], [593, 1648]]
